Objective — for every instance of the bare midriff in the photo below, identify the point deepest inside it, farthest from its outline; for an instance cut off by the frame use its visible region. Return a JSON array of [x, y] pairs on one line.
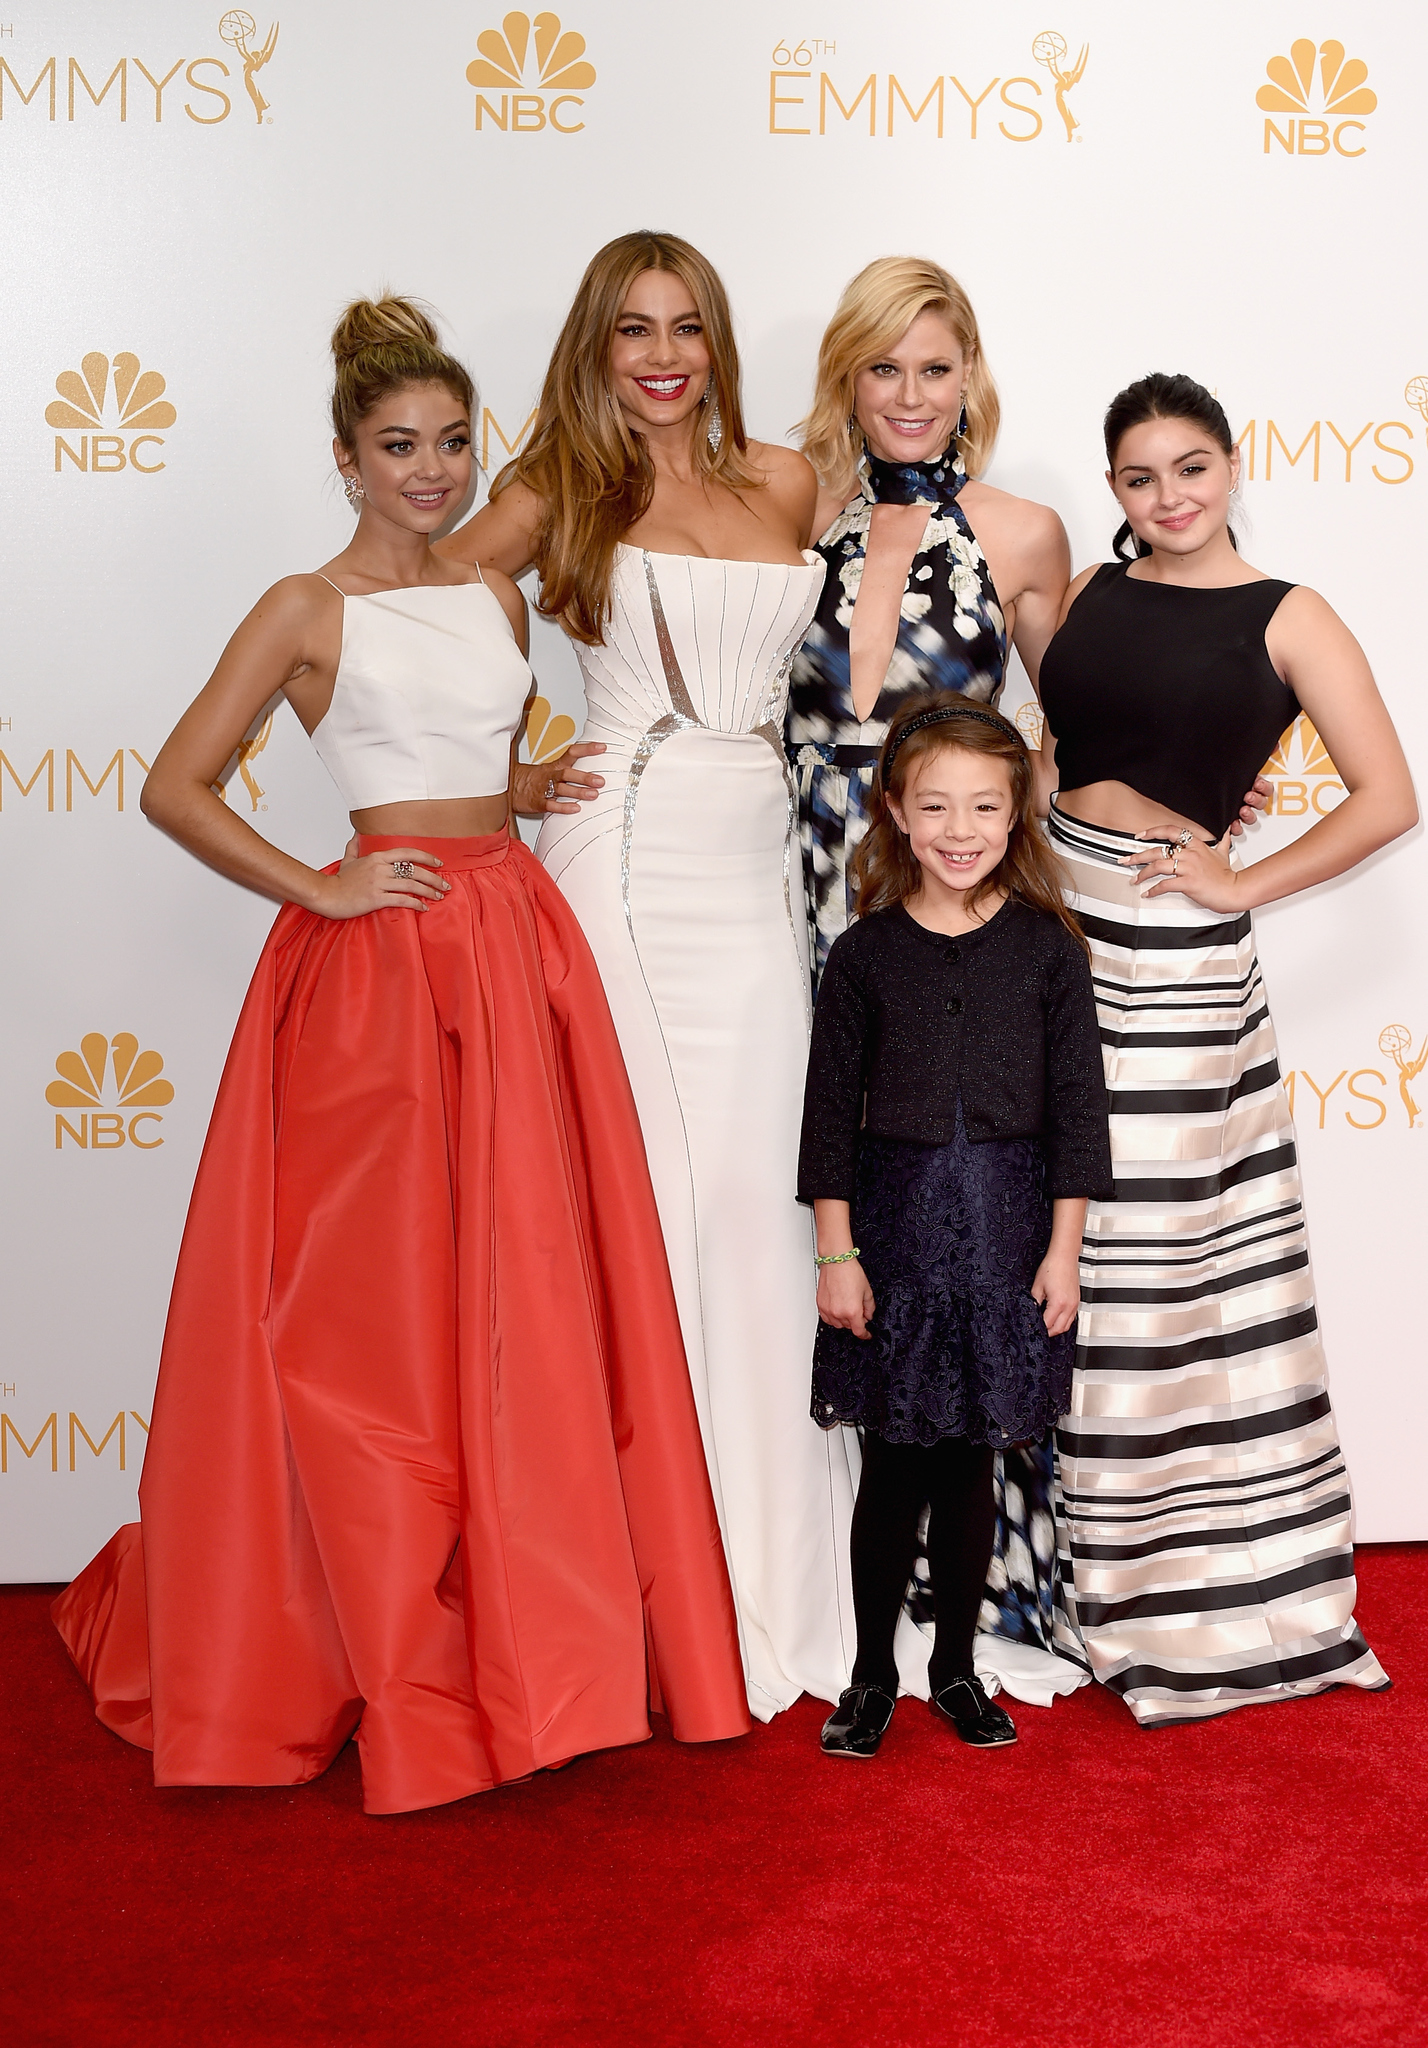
[[457, 817], [1119, 808]]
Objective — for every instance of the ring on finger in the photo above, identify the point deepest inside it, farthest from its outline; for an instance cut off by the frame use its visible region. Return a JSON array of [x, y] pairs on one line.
[[1186, 835], [550, 789], [1175, 861], [403, 870]]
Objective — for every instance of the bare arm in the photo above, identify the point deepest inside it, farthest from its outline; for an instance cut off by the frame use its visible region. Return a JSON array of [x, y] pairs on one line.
[[1045, 560], [289, 640]]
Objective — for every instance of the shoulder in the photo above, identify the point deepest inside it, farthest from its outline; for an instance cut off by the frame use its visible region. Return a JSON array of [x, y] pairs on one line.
[[296, 602], [1016, 522], [863, 940], [789, 477]]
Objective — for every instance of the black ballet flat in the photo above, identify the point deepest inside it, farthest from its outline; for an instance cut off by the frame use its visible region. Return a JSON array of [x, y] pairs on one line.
[[978, 1720], [859, 1722]]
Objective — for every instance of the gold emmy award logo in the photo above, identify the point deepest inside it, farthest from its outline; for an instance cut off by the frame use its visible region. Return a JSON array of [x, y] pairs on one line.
[[1305, 779], [243, 760], [1030, 723], [560, 71], [1049, 49], [137, 402], [1321, 123], [239, 31], [1397, 1041], [545, 735], [137, 1088]]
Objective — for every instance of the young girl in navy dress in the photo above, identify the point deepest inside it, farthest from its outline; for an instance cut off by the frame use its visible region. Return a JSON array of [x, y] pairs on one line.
[[954, 1126]]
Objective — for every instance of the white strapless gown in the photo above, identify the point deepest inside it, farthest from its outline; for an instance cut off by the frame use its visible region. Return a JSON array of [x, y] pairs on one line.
[[684, 874]]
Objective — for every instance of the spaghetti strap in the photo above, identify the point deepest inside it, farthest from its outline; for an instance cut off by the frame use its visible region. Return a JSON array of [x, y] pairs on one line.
[[330, 584]]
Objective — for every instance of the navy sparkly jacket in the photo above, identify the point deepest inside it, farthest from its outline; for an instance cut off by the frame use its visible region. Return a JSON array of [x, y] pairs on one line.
[[908, 1020]]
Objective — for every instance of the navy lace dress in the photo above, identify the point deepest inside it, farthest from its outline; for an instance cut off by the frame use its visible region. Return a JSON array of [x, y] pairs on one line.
[[951, 1237], [951, 636]]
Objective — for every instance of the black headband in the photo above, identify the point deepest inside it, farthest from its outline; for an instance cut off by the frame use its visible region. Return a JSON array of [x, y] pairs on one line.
[[936, 717]]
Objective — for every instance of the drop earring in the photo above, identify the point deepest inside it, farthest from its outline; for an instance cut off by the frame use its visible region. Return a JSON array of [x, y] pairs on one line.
[[962, 420], [715, 426], [354, 491]]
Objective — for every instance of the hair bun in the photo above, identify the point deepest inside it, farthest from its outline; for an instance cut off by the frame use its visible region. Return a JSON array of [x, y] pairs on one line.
[[369, 324]]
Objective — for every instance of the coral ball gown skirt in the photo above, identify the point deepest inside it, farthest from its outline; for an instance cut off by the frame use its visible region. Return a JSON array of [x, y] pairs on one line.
[[424, 1459]]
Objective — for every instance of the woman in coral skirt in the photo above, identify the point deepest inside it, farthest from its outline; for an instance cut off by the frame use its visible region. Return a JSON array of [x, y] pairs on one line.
[[424, 1462]]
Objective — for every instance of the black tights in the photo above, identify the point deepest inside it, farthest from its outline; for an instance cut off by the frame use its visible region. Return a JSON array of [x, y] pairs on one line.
[[954, 1478]]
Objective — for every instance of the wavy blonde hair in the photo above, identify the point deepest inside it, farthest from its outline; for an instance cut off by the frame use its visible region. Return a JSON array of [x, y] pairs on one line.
[[378, 346], [590, 470], [873, 315]]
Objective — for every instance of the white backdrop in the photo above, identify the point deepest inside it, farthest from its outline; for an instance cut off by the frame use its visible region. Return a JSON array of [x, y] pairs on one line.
[[187, 202]]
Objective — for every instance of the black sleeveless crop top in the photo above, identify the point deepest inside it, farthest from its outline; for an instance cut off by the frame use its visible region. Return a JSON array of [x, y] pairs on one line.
[[1168, 689]]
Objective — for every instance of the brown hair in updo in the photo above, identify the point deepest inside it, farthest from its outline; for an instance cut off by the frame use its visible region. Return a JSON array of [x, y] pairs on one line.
[[885, 869], [379, 345]]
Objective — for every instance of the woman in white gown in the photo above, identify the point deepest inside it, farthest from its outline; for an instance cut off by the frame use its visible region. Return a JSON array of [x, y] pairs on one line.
[[670, 548]]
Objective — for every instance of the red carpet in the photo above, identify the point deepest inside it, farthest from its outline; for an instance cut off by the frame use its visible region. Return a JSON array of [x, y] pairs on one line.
[[1257, 1880]]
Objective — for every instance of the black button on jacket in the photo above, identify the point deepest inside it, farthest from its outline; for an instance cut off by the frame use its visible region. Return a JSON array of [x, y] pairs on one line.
[[907, 1020]]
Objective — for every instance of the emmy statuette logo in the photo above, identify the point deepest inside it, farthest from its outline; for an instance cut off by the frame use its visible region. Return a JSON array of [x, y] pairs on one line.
[[1319, 111], [548, 62], [63, 82], [239, 30], [137, 1093], [116, 395], [1396, 1040], [1416, 393], [1049, 49], [889, 105], [248, 750]]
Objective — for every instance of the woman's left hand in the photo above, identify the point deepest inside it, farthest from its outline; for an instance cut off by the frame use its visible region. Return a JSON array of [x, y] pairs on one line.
[[1199, 869]]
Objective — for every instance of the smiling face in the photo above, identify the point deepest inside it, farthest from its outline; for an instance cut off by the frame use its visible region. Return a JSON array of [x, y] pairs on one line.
[[957, 811], [659, 359], [1173, 482], [908, 401], [412, 458]]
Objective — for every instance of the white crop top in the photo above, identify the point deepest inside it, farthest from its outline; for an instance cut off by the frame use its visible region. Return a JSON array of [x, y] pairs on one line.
[[429, 692]]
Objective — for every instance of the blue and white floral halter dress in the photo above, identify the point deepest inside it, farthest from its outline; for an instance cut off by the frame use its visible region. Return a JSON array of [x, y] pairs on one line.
[[951, 636]]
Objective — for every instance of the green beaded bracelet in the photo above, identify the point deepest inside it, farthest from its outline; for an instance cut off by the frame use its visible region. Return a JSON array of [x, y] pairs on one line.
[[836, 1258]]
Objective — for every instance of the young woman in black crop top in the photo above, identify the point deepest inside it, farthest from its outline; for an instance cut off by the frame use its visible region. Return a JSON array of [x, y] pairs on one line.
[[1206, 1554]]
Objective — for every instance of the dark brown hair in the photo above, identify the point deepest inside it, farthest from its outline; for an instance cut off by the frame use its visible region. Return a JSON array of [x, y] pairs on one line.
[[380, 345], [590, 471], [1162, 397], [885, 869]]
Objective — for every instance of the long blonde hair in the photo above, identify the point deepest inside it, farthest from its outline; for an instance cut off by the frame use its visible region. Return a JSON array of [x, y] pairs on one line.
[[872, 316], [592, 474]]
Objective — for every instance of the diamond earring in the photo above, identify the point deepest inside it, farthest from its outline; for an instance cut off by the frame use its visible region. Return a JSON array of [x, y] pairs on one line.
[[354, 491], [715, 427]]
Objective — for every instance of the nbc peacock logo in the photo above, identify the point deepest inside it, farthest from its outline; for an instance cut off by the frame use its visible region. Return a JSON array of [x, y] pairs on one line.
[[1321, 110], [547, 734], [111, 1110], [1305, 781], [540, 71], [115, 405]]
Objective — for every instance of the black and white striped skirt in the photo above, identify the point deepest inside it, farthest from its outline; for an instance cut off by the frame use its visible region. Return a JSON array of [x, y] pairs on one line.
[[1206, 1524]]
